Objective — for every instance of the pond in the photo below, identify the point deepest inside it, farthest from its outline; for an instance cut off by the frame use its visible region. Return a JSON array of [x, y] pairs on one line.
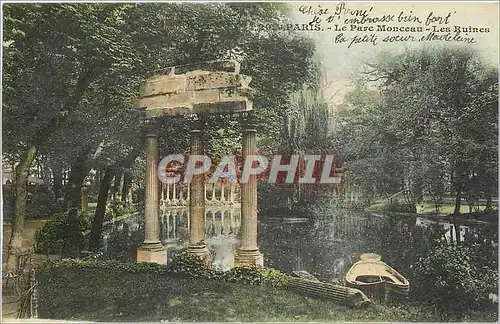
[[326, 246]]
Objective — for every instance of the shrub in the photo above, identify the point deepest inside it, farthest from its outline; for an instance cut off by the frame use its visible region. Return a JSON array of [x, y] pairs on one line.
[[450, 276], [41, 203], [187, 266], [255, 276], [251, 276], [183, 265], [63, 230]]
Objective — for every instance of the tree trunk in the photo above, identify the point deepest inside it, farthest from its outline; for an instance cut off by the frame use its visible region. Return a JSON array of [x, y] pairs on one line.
[[116, 186], [100, 212], [57, 181], [458, 201], [489, 197], [79, 171], [20, 194], [104, 187], [127, 179]]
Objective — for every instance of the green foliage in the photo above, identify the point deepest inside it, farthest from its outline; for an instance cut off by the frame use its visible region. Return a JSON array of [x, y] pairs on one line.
[[187, 266], [182, 265], [76, 264], [40, 203], [451, 277], [117, 208], [423, 120], [61, 228], [109, 295], [244, 275]]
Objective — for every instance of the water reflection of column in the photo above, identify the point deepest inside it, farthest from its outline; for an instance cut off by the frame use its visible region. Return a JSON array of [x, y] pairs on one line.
[[167, 224], [248, 253], [214, 221], [346, 225], [334, 225], [184, 197], [173, 224], [162, 226], [227, 227], [151, 249], [196, 244], [231, 216]]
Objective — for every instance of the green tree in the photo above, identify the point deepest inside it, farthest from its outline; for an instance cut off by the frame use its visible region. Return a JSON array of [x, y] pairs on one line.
[[433, 128], [72, 71]]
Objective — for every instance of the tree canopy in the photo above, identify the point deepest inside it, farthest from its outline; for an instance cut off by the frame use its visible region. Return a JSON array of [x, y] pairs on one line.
[[425, 120]]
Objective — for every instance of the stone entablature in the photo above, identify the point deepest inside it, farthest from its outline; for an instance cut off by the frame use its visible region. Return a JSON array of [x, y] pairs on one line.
[[209, 87]]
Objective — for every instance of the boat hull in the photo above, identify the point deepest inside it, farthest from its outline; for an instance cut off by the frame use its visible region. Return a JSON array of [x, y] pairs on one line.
[[375, 277]]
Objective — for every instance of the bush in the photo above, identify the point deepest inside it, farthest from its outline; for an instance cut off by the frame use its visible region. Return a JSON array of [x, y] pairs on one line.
[[255, 276], [187, 266], [41, 203], [62, 231], [450, 276], [183, 265]]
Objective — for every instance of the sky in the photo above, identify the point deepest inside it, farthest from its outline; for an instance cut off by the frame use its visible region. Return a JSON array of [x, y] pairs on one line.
[[340, 61]]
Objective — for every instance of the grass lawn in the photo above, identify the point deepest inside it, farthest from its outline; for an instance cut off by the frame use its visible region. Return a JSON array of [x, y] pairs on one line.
[[444, 209], [426, 208], [84, 294]]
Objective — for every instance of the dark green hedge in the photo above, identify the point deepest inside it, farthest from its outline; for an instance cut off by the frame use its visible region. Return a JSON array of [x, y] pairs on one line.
[[70, 287], [63, 233], [182, 265]]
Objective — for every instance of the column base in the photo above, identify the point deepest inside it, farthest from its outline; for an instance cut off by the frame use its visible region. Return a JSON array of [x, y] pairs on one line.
[[202, 252], [248, 258], [154, 252]]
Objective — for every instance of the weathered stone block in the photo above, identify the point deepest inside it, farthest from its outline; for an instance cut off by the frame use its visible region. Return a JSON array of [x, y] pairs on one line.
[[244, 258], [164, 111], [236, 94], [156, 255], [183, 99], [163, 85], [222, 107], [216, 80], [151, 102], [207, 87], [206, 96]]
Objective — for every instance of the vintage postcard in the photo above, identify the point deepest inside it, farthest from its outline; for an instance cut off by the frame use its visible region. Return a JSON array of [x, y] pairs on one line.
[[250, 162]]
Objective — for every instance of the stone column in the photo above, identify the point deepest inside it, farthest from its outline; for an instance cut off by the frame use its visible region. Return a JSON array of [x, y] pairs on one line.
[[85, 198], [248, 253], [231, 192], [196, 244], [151, 249]]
